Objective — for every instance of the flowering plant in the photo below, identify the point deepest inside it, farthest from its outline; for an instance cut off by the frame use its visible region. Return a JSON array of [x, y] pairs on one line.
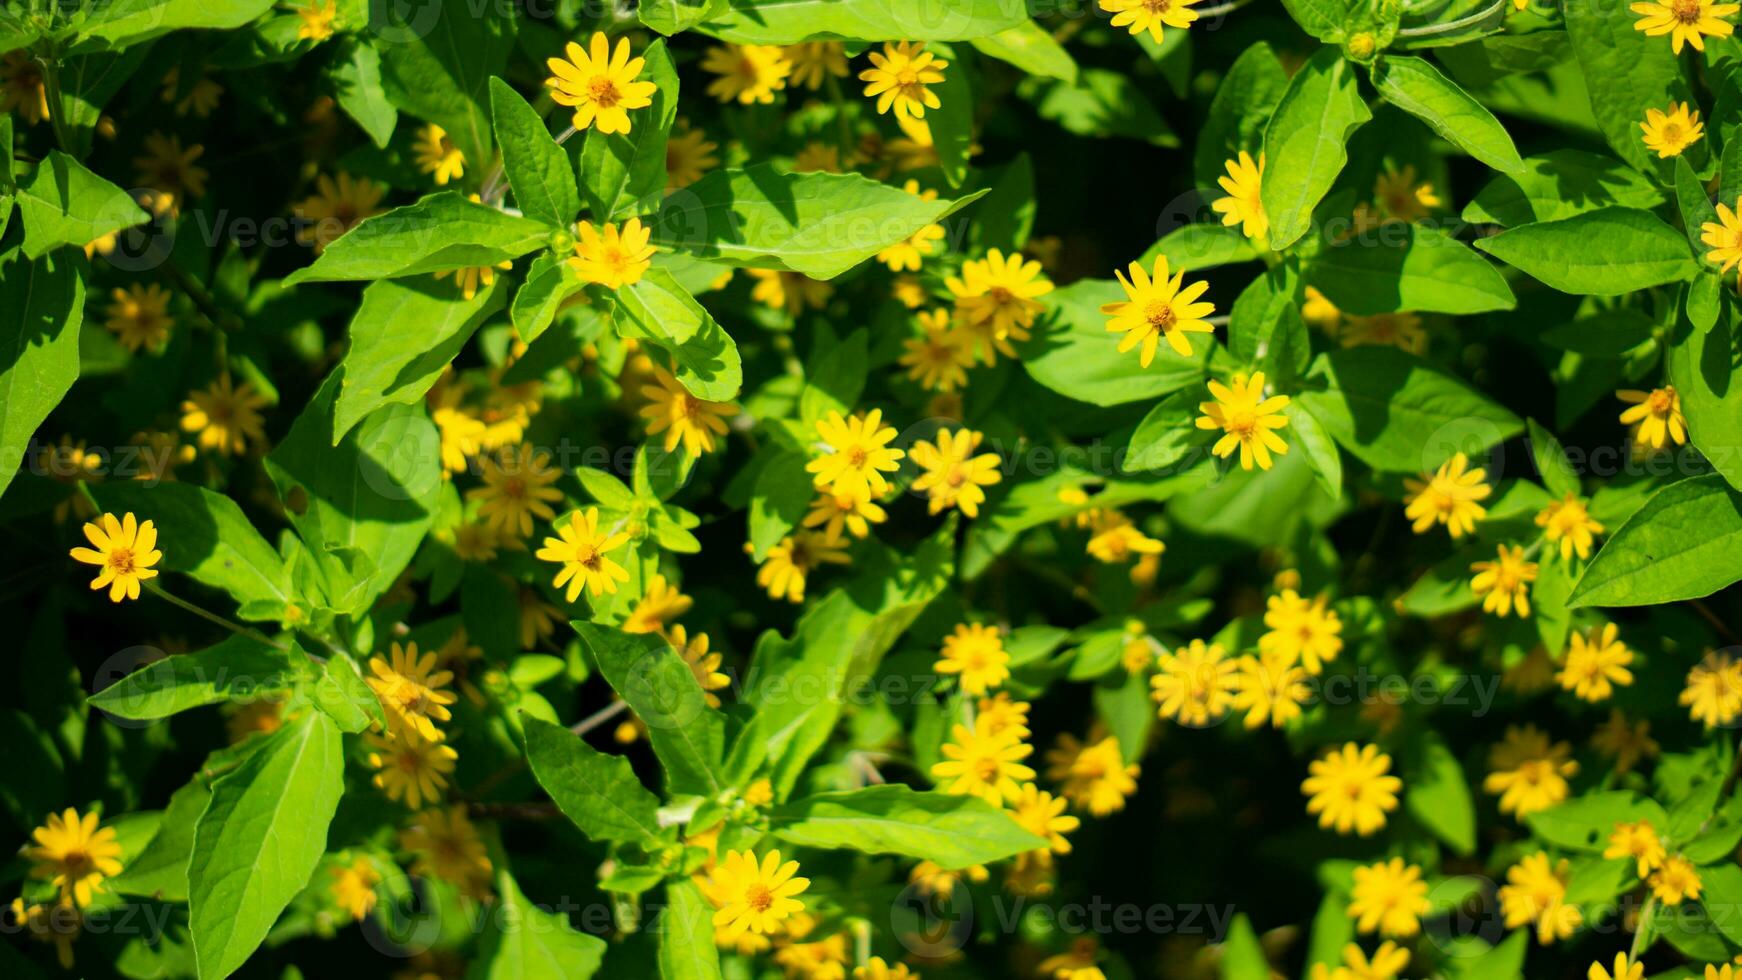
[[825, 488]]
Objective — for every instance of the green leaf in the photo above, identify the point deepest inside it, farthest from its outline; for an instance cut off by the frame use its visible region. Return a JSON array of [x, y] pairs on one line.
[[355, 77], [341, 692], [260, 839], [686, 934], [1200, 246], [1606, 252], [669, 17], [124, 22], [1105, 103], [361, 503], [1584, 823], [1242, 955], [1305, 143], [1407, 267], [1265, 328], [624, 173], [1005, 217], [441, 232], [537, 168], [205, 535], [238, 668], [1439, 796], [783, 494], [160, 870], [1560, 184], [836, 379], [1551, 461], [525, 942], [1418, 88], [1031, 48], [820, 224], [658, 310], [646, 671], [599, 793], [62, 203], [1242, 106], [549, 282], [953, 831], [1607, 333], [1396, 412], [952, 123], [1685, 543], [44, 302], [792, 21], [1622, 76], [1319, 449], [1072, 353], [437, 66], [1707, 375], [1167, 434], [402, 338]]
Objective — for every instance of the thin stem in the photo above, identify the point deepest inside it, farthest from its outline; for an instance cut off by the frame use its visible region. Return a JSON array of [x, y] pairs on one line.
[[213, 617], [1219, 9], [599, 717], [56, 108], [515, 811], [200, 297], [1711, 617], [1432, 30]]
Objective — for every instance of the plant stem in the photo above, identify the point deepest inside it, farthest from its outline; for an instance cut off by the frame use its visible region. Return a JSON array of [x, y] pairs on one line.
[[213, 617], [1432, 30], [599, 717]]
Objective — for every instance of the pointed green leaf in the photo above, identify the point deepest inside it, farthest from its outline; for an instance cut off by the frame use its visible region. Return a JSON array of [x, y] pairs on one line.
[[599, 792], [1305, 145]]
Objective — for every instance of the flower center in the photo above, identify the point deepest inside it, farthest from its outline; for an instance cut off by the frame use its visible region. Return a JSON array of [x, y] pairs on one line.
[[1659, 402], [857, 457], [1000, 295], [603, 91], [121, 560], [758, 897], [987, 769], [1160, 314], [513, 488], [1672, 132], [1687, 11], [1241, 422], [589, 556]]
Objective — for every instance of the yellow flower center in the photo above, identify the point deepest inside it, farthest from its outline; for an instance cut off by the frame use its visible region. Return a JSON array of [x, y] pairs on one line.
[[603, 91], [857, 457], [1240, 421], [1672, 132], [1687, 11], [410, 761], [987, 769], [1000, 296], [121, 560], [1159, 313], [1659, 402], [1156, 8], [957, 477], [514, 488], [758, 897], [589, 556]]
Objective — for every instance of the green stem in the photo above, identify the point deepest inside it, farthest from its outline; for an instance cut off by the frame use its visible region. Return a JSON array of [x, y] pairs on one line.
[[212, 617], [56, 107], [1433, 30]]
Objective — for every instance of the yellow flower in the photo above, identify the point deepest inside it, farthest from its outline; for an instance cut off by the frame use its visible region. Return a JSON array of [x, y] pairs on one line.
[[1505, 582], [537, 618], [688, 154], [124, 551], [748, 72], [614, 257], [703, 664], [1157, 309], [1248, 420], [1725, 972], [950, 475], [940, 360], [800, 956], [1685, 21], [905, 255], [170, 173], [74, 855], [1714, 690], [22, 87], [1638, 841], [447, 846], [1389, 898], [835, 513], [517, 486], [790, 291], [1310, 633], [200, 100], [660, 603], [1624, 969], [1043, 815], [1269, 688], [1387, 961], [1114, 539], [225, 417], [1625, 743], [1675, 881], [754, 896], [997, 294], [815, 61], [1320, 312], [1194, 684], [979, 763], [1448, 496], [471, 278], [412, 690], [1536, 892], [1671, 132], [975, 652], [1656, 415], [876, 969], [858, 455], [580, 547], [1725, 239], [1351, 790], [354, 886], [435, 154], [461, 436], [1401, 197], [817, 157], [1400, 330], [316, 24], [59, 923], [1568, 521], [1077, 963], [684, 418], [789, 563], [899, 77], [336, 206], [410, 767], [1094, 777], [1243, 206], [1138, 16], [1000, 714], [599, 84], [1595, 663], [139, 316], [1527, 772]]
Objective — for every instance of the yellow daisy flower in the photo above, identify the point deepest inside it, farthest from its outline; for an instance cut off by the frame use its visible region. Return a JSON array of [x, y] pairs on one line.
[[1568, 522], [1153, 16], [445, 845], [1527, 772], [1351, 789], [979, 763], [1713, 694], [1248, 420], [435, 154], [1624, 969], [1194, 684], [412, 690], [1724, 237], [22, 87], [748, 72], [1269, 689], [169, 172], [858, 454], [124, 551], [1095, 777], [1675, 881], [939, 361], [1685, 21], [337, 205], [1535, 893], [580, 548], [353, 886], [517, 488], [74, 855], [139, 316], [1400, 330], [409, 767], [975, 654], [1448, 496], [1113, 539], [837, 513], [900, 76], [660, 603], [1401, 197], [1300, 631], [1243, 206], [950, 475], [1639, 842], [789, 291], [599, 84], [1158, 308], [998, 294], [1389, 898], [315, 23], [688, 154], [1504, 583], [1595, 662], [788, 564], [684, 418], [1669, 132], [611, 256]]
